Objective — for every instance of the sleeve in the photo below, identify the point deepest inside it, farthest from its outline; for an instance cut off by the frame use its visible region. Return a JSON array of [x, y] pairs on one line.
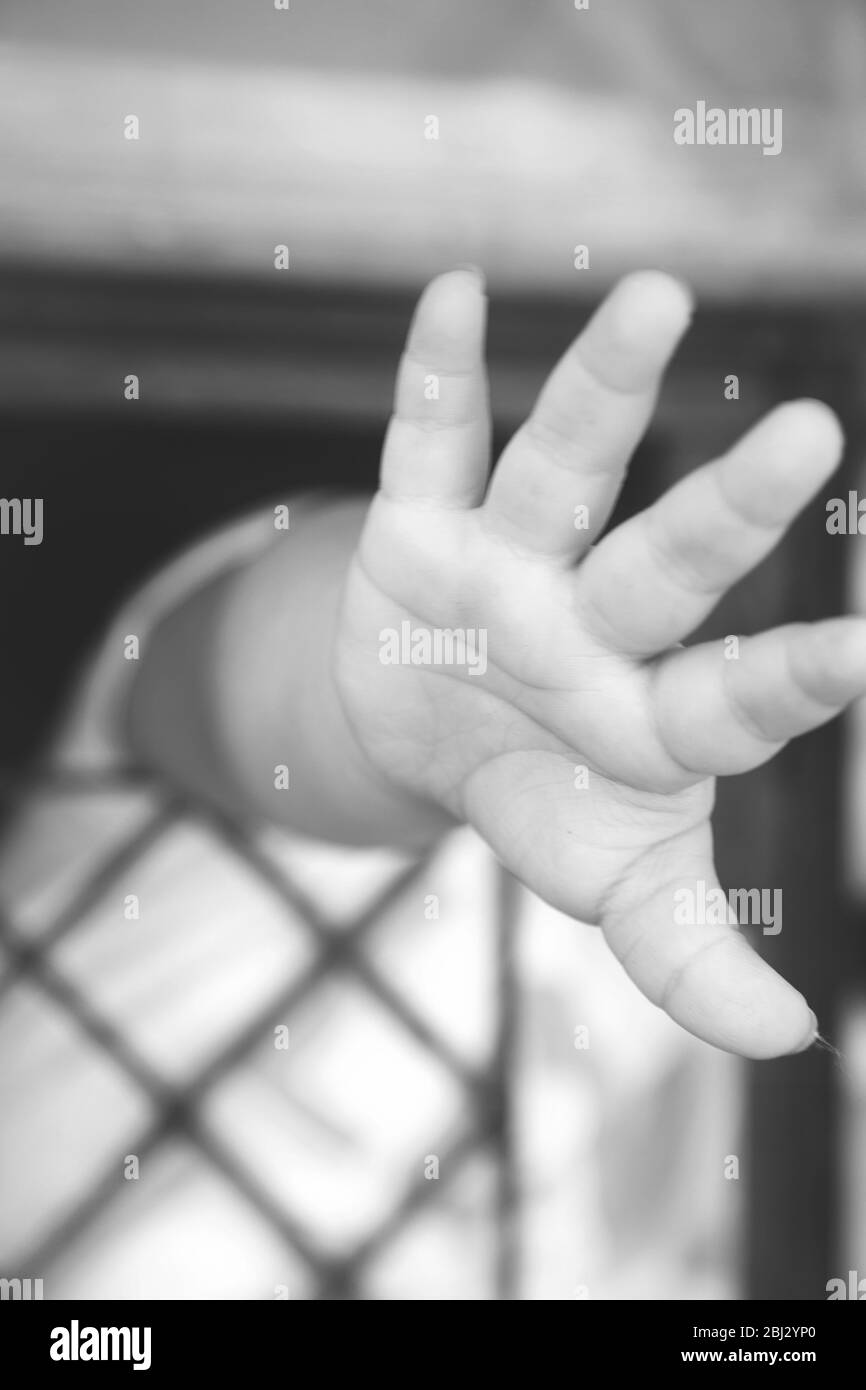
[[90, 737]]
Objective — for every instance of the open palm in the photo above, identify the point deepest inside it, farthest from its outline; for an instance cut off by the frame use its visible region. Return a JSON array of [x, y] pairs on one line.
[[574, 731]]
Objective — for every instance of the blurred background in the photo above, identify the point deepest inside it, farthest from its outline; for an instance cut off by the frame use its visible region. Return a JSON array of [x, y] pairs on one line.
[[474, 1104]]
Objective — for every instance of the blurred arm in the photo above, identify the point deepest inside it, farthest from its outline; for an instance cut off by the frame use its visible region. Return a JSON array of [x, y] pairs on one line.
[[237, 683]]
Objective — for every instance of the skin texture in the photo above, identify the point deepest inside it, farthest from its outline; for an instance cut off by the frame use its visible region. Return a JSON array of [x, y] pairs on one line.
[[585, 662]]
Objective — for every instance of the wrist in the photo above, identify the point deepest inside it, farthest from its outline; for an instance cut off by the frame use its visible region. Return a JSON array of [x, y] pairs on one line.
[[288, 747]]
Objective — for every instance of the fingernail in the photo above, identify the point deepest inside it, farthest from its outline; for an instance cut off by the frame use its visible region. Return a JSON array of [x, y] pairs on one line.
[[469, 268], [688, 293], [811, 1036]]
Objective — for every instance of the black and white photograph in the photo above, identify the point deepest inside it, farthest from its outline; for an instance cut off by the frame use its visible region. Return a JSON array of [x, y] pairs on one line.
[[433, 632]]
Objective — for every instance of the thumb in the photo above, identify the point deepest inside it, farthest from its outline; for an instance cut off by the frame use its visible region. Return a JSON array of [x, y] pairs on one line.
[[677, 935]]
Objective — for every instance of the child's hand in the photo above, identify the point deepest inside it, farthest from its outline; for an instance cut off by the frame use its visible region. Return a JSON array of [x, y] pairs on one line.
[[583, 663]]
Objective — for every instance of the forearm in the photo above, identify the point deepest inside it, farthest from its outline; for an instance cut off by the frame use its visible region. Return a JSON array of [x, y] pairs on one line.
[[237, 684]]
